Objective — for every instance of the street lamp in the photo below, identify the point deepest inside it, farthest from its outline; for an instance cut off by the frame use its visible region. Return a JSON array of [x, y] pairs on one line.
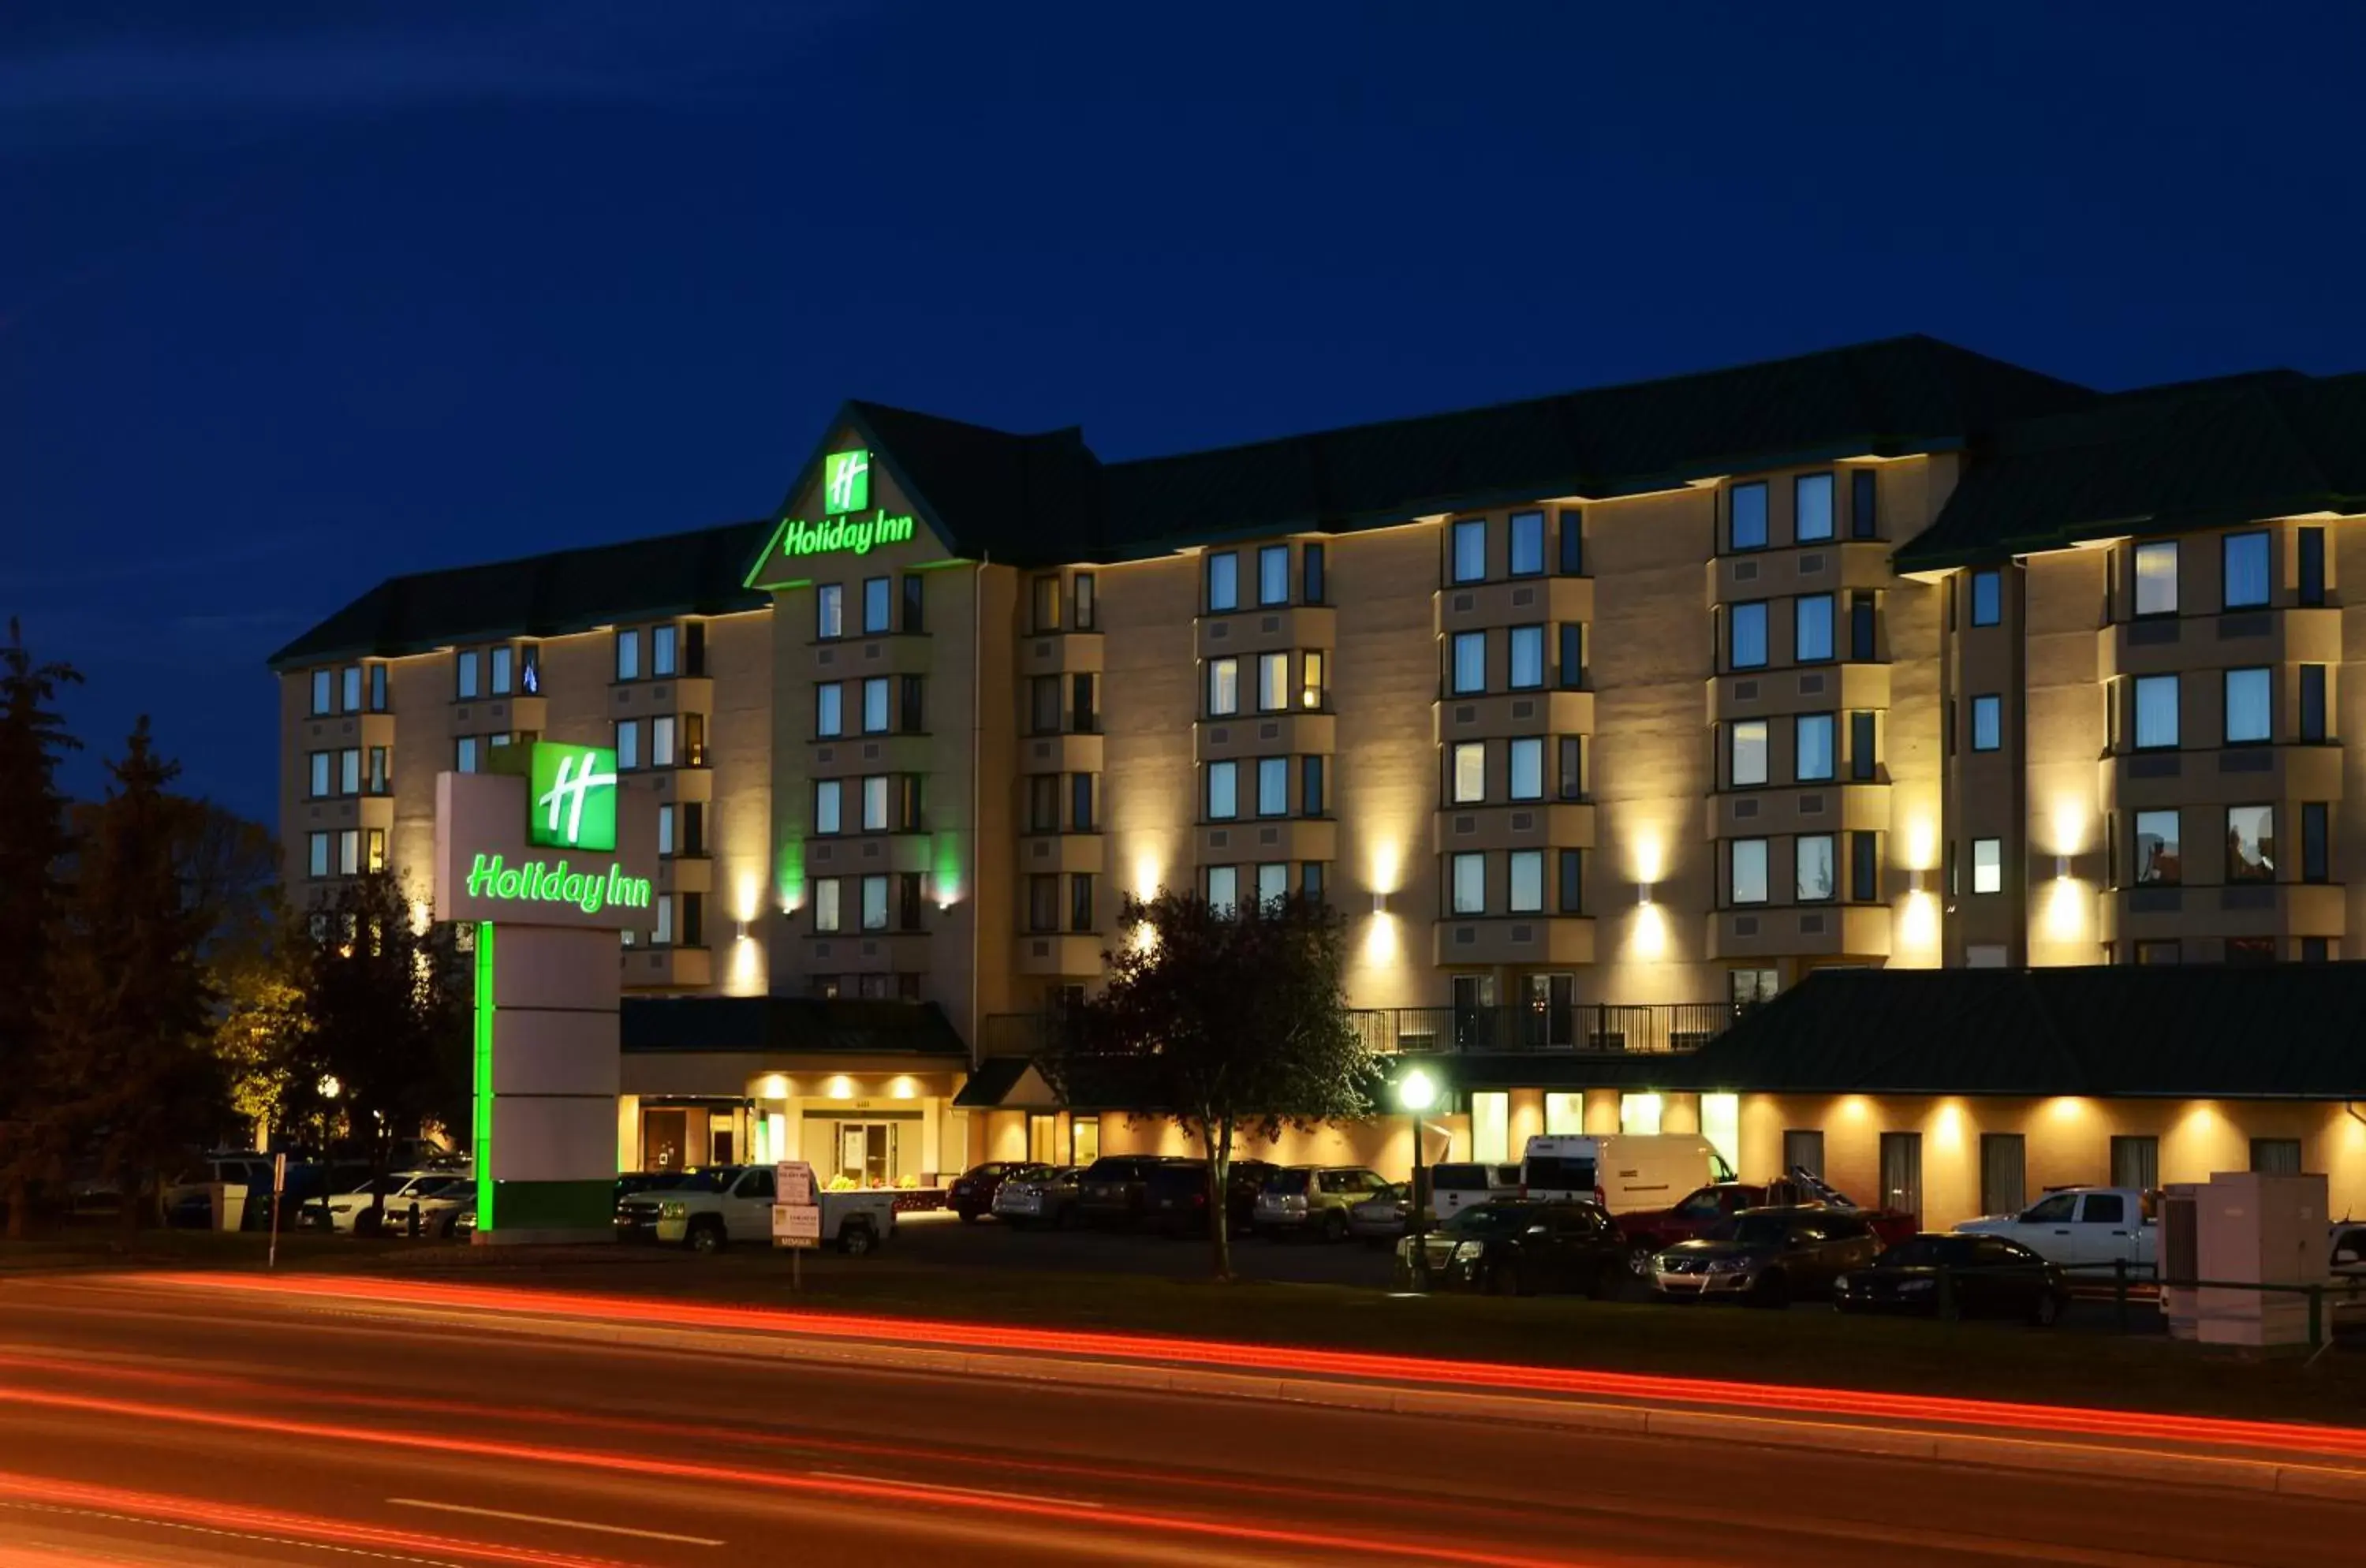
[[1417, 1092]]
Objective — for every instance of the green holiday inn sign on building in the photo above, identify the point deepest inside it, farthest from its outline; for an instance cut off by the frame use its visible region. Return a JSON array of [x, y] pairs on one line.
[[843, 530], [570, 805]]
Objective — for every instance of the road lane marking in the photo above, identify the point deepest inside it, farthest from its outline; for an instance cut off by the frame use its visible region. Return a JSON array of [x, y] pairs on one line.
[[956, 1491], [546, 1519]]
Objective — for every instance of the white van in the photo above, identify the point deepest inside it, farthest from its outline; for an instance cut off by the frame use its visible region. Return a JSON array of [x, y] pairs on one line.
[[1457, 1184], [1624, 1172]]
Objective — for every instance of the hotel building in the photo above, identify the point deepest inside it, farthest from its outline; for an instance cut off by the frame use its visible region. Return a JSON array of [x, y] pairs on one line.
[[1603, 719]]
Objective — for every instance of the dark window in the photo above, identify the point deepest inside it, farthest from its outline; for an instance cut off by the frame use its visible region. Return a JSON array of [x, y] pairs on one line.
[[1865, 515], [1802, 1150], [914, 597], [1043, 704], [1310, 786], [1572, 767], [2250, 952], [378, 682], [2243, 583], [2276, 1157], [2312, 566], [1862, 762], [907, 901], [1987, 597], [693, 920], [907, 802], [2312, 702], [691, 838], [2135, 1163], [2004, 1173], [1865, 867], [1860, 627], [1573, 654], [1987, 722], [1081, 803], [1309, 575], [1085, 597], [1080, 902], [1901, 1172], [1573, 544], [1044, 803], [909, 714], [1573, 882], [2314, 950], [1081, 717], [2315, 852], [1746, 517], [1042, 903]]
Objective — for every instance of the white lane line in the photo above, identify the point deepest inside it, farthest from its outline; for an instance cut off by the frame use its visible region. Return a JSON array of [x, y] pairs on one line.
[[546, 1519], [956, 1491]]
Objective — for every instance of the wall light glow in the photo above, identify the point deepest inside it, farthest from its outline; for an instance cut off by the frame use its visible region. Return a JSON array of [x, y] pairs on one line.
[[750, 897], [903, 1088], [839, 1087], [1381, 945], [1650, 857], [1388, 867], [772, 1086], [1922, 844], [2065, 909], [1918, 922], [1146, 876], [1651, 939], [2071, 821]]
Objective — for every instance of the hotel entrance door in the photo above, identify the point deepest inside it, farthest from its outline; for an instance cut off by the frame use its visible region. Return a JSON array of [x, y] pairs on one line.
[[867, 1151]]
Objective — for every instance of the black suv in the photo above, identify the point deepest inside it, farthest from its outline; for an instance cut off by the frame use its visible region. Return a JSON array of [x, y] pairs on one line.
[[1518, 1247], [1174, 1195], [1111, 1191]]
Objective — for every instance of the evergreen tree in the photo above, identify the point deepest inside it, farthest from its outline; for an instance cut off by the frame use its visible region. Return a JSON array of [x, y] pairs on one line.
[[32, 843]]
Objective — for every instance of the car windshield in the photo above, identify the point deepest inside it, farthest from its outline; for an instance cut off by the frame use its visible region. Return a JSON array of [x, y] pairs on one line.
[[1928, 1252], [1491, 1219], [1753, 1230], [1289, 1180]]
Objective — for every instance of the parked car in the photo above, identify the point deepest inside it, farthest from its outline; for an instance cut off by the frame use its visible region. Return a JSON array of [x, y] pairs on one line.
[[1517, 1246], [971, 1192], [1462, 1184], [2085, 1229], [435, 1191], [1986, 1276], [2348, 1258], [1111, 1191], [1174, 1195], [1622, 1172], [189, 1200], [1381, 1217], [1649, 1232], [1767, 1257], [1047, 1198], [735, 1206], [638, 1201], [1313, 1199]]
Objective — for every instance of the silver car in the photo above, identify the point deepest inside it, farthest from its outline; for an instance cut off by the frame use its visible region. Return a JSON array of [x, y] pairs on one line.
[[1048, 1198], [1380, 1218]]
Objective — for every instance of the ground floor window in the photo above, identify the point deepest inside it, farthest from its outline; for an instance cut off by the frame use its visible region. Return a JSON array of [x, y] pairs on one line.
[[1043, 1138], [1491, 1130], [1639, 1114], [2004, 1173], [1748, 988], [1720, 1123], [2135, 1162], [1564, 1114], [1084, 1139], [2276, 1157], [1901, 1172], [1803, 1149]]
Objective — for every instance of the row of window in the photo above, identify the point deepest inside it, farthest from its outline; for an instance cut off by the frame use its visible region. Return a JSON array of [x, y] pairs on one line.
[[1813, 517], [902, 987], [1523, 668], [1261, 787], [883, 902], [1231, 888], [1273, 691], [1043, 904], [1523, 770], [469, 751], [331, 774], [2248, 714], [679, 920], [879, 602], [1751, 869], [1271, 565], [1813, 628], [494, 671], [348, 689], [881, 698], [2156, 857], [1749, 750], [1512, 881], [671, 651], [1044, 713], [1524, 547], [1078, 594], [347, 852], [1043, 795], [883, 802], [2247, 572]]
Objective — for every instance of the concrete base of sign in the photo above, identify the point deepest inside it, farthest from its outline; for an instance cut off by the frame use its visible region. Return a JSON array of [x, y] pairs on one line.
[[547, 1080]]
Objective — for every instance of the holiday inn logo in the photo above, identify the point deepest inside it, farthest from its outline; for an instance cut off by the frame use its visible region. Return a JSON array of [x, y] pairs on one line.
[[845, 482], [572, 797]]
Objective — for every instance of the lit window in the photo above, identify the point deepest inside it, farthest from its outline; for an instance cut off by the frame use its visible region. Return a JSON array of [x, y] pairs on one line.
[[1223, 687], [1988, 598], [465, 675], [1748, 635], [503, 662], [349, 852], [1470, 663], [826, 912], [1528, 544], [1987, 865], [1813, 624], [324, 691], [1812, 747], [1223, 791], [874, 705], [830, 611], [661, 649], [1470, 773], [1470, 550], [665, 827], [1311, 675], [1749, 742], [1526, 885], [1469, 885], [2249, 706], [1528, 657], [1812, 861], [317, 850], [2157, 578], [1749, 871], [874, 804], [830, 709], [1223, 582], [628, 654], [2155, 711], [878, 605], [1528, 769], [1273, 786], [1811, 502], [2245, 557], [1748, 521], [353, 685], [1988, 723], [321, 775], [1272, 882], [1224, 888], [349, 770], [1273, 575], [1273, 682], [628, 743], [875, 903], [464, 755], [661, 741]]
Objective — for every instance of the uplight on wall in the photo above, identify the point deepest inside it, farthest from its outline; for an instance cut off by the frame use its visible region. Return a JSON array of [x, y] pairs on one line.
[[839, 1087]]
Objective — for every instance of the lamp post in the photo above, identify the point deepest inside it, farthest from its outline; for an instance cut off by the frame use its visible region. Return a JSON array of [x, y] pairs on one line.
[[1417, 1092]]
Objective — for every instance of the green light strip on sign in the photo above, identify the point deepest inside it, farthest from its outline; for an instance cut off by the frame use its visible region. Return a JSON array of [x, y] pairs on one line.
[[845, 534], [481, 1140]]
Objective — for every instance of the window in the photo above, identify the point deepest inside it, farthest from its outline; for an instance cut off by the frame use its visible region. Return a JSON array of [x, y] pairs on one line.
[[1311, 688], [665, 821], [1988, 723], [1223, 687], [2158, 861], [826, 909], [830, 709], [1863, 748], [830, 611], [324, 691], [1272, 682], [875, 903], [1043, 704], [2312, 702], [1223, 582], [1273, 786], [465, 673], [1987, 597], [1043, 902], [1528, 544], [1573, 544], [1273, 574], [2004, 1173], [1812, 759], [2249, 699], [1865, 867], [464, 751], [1223, 791], [2156, 713], [661, 650], [1080, 901], [1572, 881], [2135, 1163], [1572, 656], [1746, 517], [2316, 846], [628, 743], [1572, 767], [2245, 558], [1527, 882], [2276, 1157], [908, 709], [1860, 627], [1224, 888], [1272, 882], [1748, 882], [1470, 564], [1468, 773], [1082, 718], [1526, 768], [2158, 952], [661, 741], [874, 804], [374, 849], [378, 770], [317, 851], [1811, 508], [879, 606], [915, 594], [1528, 657], [2250, 843], [349, 770], [1802, 1149], [1987, 865], [349, 852], [692, 838], [2157, 578], [1747, 741], [1309, 575], [1469, 884], [1044, 803], [1813, 624], [1812, 865], [378, 683], [321, 762], [1746, 636], [1310, 786], [2316, 949], [1901, 1172], [502, 660], [1470, 663], [2311, 542], [874, 705], [1865, 510]]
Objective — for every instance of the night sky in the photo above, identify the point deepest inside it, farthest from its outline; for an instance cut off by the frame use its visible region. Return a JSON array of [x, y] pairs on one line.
[[294, 298]]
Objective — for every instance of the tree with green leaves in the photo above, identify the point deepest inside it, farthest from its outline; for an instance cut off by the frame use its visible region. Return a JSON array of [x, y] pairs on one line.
[[1229, 1024], [129, 1073], [33, 740]]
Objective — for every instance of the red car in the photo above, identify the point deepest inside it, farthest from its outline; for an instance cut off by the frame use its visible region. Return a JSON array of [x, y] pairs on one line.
[[1649, 1231], [972, 1191]]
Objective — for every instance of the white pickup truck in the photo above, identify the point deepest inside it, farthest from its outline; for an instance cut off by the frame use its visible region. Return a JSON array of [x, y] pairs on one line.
[[2086, 1229], [735, 1206]]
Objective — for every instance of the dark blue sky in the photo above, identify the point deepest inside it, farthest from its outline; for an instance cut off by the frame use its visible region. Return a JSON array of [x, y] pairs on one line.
[[296, 297]]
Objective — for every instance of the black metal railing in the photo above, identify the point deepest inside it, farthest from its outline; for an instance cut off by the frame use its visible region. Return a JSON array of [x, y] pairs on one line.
[[1618, 1028]]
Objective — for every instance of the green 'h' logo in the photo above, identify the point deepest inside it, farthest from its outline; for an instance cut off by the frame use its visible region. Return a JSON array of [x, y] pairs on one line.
[[845, 482], [572, 802]]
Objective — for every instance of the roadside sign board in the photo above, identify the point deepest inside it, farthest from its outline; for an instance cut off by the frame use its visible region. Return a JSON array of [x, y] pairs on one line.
[[797, 1225], [793, 1184], [279, 1173]]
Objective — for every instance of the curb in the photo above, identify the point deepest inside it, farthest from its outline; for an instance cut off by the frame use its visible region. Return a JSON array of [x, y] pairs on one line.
[[1940, 1445]]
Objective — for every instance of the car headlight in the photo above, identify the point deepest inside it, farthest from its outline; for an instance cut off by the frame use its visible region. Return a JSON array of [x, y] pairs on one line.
[[1466, 1250], [673, 1211]]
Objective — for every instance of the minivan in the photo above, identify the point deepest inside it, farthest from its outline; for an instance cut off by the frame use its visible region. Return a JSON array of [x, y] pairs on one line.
[[1621, 1171]]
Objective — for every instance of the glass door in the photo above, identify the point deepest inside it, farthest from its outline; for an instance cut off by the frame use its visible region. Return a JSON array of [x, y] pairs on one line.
[[1551, 1019]]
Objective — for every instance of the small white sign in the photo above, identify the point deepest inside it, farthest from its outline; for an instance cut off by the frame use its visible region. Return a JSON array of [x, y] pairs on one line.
[[792, 1183], [797, 1224]]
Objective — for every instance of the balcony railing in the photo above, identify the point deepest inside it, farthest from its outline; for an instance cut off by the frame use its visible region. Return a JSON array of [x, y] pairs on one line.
[[1591, 1027]]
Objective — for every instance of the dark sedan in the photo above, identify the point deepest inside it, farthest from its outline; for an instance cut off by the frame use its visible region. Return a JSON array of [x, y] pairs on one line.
[[1518, 1247], [1982, 1276], [1767, 1256], [1110, 1192], [1174, 1195]]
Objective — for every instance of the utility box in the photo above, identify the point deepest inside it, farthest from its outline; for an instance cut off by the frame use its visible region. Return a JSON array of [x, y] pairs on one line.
[[2253, 1228]]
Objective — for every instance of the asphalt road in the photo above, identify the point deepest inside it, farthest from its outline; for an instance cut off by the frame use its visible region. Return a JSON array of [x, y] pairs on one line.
[[138, 1429]]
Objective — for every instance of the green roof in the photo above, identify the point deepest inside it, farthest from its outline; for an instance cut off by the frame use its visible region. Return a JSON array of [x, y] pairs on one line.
[[2164, 460]]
